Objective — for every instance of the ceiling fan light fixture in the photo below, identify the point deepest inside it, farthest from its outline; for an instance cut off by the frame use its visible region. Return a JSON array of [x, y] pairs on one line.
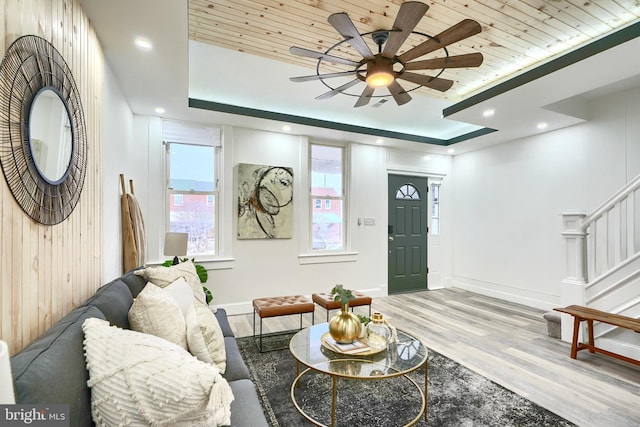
[[379, 79], [380, 74]]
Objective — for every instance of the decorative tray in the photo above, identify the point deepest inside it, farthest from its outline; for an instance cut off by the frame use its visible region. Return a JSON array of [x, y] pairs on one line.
[[359, 348]]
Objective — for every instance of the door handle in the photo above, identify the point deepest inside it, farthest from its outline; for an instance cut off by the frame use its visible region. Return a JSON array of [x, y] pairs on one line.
[[391, 238]]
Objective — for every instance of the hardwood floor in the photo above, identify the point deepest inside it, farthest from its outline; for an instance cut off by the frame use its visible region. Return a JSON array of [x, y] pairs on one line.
[[507, 343]]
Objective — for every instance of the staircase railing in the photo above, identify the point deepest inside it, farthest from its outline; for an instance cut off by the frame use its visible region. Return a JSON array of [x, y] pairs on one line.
[[598, 244], [613, 230]]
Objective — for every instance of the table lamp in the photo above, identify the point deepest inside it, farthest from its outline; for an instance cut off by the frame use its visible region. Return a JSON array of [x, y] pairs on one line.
[[7, 396], [175, 244]]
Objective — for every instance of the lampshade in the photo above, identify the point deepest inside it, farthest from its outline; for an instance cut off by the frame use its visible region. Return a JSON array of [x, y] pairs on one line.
[[175, 244], [380, 73], [7, 396]]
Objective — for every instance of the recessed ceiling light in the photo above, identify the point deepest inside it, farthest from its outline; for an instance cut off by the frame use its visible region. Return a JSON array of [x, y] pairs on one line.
[[451, 151], [489, 112], [379, 141], [286, 128], [427, 158], [159, 110], [542, 125], [143, 44]]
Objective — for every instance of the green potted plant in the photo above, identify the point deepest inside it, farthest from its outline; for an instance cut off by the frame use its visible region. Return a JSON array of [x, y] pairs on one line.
[[364, 319], [202, 273], [341, 294]]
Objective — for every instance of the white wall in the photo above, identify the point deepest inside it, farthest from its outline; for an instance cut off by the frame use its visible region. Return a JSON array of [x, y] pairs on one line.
[[507, 200], [116, 159]]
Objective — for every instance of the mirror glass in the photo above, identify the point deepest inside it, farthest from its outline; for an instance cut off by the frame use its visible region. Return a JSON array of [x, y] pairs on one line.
[[50, 135]]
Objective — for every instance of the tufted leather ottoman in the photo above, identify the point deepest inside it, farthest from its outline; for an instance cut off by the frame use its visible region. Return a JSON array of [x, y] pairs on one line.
[[325, 300], [280, 306]]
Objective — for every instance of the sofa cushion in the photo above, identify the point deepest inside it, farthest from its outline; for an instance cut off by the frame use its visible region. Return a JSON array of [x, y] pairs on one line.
[[204, 336], [155, 312], [164, 276], [246, 409], [236, 368], [140, 379], [52, 368], [180, 291], [114, 300]]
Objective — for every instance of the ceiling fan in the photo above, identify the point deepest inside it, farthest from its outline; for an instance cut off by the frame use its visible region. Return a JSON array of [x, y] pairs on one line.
[[385, 68]]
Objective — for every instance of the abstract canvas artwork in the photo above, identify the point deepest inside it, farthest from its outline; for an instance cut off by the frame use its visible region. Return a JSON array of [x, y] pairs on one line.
[[265, 201]]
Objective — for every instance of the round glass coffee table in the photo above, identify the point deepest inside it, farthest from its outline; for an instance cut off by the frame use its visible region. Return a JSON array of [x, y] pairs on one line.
[[403, 356]]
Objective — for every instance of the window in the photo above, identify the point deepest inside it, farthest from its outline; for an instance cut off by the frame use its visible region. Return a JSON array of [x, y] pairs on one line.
[[327, 183], [435, 209], [192, 186], [407, 191]]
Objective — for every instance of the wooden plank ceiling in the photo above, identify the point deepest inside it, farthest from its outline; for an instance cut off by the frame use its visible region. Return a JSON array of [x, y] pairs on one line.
[[515, 34]]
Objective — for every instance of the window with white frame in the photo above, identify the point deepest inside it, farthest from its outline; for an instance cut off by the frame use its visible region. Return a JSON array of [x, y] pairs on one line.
[[327, 183], [192, 191], [435, 208]]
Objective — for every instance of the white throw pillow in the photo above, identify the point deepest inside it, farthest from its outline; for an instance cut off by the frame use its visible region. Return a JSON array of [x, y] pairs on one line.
[[182, 294], [140, 379], [204, 337], [164, 276], [155, 312]]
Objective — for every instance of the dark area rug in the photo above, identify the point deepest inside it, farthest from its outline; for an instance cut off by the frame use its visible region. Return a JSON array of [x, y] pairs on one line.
[[457, 396]]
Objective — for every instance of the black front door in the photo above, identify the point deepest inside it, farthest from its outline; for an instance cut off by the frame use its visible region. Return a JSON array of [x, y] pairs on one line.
[[407, 233]]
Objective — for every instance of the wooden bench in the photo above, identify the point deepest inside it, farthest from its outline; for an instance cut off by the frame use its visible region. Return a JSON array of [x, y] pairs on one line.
[[280, 306], [326, 301], [590, 315]]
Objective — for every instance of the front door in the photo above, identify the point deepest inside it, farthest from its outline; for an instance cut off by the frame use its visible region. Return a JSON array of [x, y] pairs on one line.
[[407, 233]]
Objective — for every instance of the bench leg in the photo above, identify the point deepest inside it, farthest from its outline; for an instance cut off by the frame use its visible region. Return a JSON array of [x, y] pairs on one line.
[[574, 344], [260, 347], [591, 341], [254, 331]]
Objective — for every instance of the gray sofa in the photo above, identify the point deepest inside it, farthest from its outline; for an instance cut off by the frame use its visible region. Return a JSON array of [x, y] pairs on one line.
[[52, 368]]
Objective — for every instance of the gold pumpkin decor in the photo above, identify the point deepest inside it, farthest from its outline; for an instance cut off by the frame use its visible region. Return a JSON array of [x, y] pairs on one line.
[[344, 327]]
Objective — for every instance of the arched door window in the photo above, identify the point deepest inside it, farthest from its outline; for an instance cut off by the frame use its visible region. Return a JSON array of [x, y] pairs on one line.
[[407, 191]]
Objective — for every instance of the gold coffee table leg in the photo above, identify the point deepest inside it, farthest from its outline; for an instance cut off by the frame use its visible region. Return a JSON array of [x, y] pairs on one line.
[[334, 393], [426, 394]]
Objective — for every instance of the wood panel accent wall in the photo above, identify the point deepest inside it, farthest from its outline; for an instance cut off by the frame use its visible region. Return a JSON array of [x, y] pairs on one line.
[[45, 271]]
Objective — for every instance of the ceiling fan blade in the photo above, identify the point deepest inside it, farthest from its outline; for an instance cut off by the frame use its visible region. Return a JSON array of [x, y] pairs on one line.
[[300, 51], [457, 61], [460, 31], [409, 15], [431, 82], [339, 89], [365, 96], [344, 25], [399, 94], [321, 76]]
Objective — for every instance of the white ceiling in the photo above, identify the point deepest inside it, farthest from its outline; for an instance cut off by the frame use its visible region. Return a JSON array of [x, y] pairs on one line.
[[177, 69]]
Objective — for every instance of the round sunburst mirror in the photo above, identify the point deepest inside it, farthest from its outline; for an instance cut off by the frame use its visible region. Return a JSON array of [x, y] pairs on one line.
[[43, 143]]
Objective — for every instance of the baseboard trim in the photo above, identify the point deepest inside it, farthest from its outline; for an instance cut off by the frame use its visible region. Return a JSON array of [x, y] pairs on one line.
[[509, 293]]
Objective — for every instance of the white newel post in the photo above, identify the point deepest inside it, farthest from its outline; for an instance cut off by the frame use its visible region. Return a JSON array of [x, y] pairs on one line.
[[572, 290]]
